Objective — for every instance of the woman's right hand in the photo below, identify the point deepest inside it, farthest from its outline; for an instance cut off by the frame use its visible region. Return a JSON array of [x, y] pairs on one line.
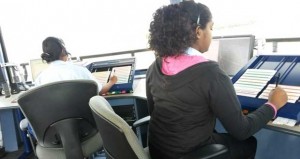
[[113, 79], [278, 97]]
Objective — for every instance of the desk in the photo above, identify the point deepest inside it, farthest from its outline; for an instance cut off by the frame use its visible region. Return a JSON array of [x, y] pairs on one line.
[[8, 112], [140, 93], [139, 87], [269, 138], [295, 130], [9, 109], [135, 102], [274, 141]]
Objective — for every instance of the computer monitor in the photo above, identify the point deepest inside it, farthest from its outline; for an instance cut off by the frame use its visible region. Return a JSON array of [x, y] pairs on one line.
[[231, 52], [36, 67]]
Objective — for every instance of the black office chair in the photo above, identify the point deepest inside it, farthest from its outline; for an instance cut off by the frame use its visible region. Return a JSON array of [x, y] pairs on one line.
[[119, 141], [62, 120]]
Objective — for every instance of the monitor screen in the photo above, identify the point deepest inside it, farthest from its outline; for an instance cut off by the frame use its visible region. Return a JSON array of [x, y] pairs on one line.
[[231, 52], [36, 67]]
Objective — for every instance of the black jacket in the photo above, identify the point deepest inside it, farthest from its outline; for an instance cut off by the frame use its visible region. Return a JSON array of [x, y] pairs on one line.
[[184, 108]]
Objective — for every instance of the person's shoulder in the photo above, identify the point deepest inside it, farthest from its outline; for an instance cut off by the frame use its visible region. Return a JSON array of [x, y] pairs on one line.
[[156, 63], [204, 66], [210, 63], [75, 66], [210, 69], [213, 66]]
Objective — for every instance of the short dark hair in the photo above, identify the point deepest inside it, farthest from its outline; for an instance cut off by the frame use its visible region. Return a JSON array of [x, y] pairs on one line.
[[52, 49], [172, 30]]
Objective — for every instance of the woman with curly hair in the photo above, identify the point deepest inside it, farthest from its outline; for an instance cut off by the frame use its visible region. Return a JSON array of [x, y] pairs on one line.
[[186, 92]]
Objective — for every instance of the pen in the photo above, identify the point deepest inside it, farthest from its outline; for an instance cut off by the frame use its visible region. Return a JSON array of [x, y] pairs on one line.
[[277, 79], [113, 72]]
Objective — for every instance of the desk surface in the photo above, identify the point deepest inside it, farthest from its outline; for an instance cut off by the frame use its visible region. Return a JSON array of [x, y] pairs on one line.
[[139, 87], [10, 102], [8, 111], [140, 93], [295, 130]]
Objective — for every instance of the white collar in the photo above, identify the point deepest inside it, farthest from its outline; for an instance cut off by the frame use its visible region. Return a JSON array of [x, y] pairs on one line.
[[57, 62], [193, 52]]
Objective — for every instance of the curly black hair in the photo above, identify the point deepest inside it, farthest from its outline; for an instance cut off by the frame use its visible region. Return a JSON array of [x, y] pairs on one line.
[[172, 30]]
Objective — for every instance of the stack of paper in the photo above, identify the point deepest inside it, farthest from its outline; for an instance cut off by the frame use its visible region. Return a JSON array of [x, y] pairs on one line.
[[122, 73], [284, 121], [102, 76], [293, 92], [253, 81]]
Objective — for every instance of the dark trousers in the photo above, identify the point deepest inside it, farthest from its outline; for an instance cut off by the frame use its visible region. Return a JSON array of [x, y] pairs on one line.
[[245, 149]]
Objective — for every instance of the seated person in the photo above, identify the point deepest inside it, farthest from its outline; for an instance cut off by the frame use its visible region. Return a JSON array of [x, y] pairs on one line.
[[56, 55], [186, 92]]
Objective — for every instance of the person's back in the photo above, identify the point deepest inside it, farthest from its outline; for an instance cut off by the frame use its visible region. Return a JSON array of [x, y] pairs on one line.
[[186, 93], [60, 70], [56, 55], [185, 116]]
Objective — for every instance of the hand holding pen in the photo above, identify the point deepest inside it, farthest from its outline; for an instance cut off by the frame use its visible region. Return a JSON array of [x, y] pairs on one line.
[[278, 96], [113, 78]]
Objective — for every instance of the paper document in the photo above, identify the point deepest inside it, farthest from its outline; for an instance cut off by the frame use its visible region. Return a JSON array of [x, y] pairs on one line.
[[284, 121], [122, 73], [102, 76], [253, 81], [293, 92]]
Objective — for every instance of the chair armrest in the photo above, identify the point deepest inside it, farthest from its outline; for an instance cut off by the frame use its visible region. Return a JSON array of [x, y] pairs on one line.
[[208, 151], [142, 121], [24, 124]]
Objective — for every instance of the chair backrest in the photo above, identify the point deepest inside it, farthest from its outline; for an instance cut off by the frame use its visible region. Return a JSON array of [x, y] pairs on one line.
[[119, 141], [60, 115]]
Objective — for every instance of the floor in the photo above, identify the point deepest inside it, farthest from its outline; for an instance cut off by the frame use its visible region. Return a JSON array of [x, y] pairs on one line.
[[17, 154]]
